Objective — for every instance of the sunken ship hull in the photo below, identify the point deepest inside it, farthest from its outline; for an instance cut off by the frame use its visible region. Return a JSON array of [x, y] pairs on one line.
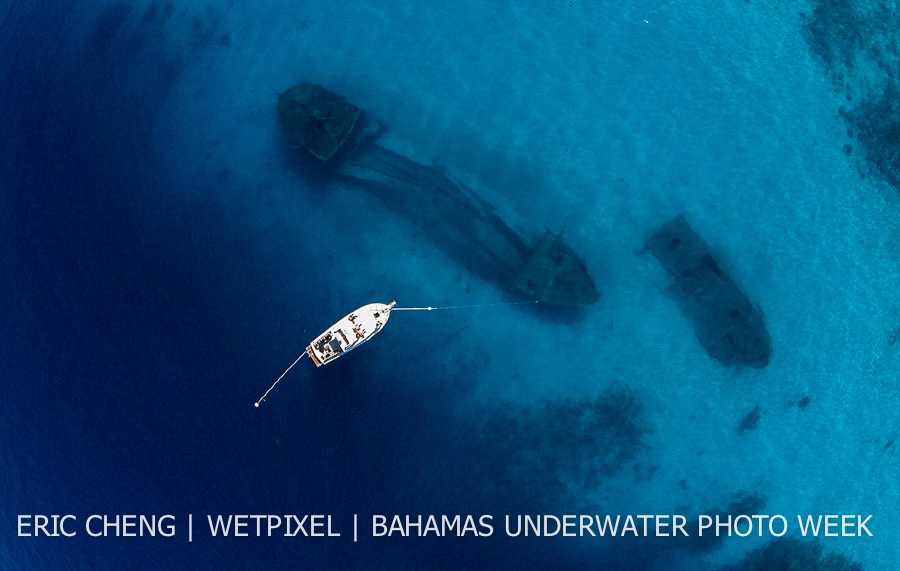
[[730, 328], [344, 139]]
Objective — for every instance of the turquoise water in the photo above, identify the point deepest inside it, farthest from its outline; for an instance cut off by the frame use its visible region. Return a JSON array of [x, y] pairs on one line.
[[602, 119]]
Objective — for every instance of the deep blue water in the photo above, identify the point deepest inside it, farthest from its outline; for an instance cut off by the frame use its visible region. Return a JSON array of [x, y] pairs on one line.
[[164, 258]]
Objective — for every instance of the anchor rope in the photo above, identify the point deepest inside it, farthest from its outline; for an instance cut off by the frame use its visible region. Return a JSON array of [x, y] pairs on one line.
[[460, 306], [256, 404]]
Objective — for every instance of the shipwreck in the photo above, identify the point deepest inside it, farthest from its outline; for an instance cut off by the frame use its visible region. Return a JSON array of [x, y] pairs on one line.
[[344, 139], [730, 328]]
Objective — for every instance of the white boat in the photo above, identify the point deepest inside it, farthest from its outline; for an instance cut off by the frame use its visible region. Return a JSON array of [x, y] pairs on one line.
[[349, 333], [355, 329]]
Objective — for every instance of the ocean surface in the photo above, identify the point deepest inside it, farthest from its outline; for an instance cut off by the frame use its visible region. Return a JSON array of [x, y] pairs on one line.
[[164, 256]]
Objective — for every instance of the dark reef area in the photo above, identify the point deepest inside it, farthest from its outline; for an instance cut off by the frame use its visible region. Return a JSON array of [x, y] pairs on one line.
[[788, 554], [561, 446], [642, 553], [860, 50]]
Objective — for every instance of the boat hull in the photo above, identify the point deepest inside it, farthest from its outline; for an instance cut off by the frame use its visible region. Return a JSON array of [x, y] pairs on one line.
[[348, 333], [728, 325]]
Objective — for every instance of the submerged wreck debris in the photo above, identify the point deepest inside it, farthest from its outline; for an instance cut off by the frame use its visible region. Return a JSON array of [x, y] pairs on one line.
[[729, 327], [316, 120], [343, 138]]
